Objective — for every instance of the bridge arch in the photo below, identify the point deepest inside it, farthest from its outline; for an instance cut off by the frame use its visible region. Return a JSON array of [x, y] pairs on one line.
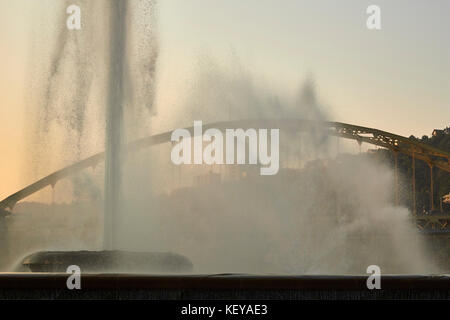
[[396, 143]]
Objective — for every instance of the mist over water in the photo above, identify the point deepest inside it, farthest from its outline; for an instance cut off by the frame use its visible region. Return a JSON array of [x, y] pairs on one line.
[[89, 86], [70, 79], [323, 213]]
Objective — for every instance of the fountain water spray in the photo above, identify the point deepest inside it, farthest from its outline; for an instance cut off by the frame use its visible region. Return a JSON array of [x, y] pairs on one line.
[[82, 83], [309, 218]]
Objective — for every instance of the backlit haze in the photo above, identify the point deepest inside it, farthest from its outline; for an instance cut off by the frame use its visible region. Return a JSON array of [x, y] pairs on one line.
[[395, 79]]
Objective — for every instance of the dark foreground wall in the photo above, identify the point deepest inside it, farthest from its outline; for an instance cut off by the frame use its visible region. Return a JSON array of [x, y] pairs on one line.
[[113, 286]]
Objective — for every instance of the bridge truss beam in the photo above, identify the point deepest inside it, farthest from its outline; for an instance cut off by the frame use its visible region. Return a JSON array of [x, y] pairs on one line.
[[396, 143]]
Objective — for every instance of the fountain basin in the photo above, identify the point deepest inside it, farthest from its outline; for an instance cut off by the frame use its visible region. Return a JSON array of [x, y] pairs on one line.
[[106, 261]]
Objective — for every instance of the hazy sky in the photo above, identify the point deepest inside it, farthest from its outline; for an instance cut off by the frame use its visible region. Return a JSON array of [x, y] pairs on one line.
[[395, 79]]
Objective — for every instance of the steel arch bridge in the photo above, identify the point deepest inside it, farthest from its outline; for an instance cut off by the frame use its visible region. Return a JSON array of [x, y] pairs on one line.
[[397, 144]]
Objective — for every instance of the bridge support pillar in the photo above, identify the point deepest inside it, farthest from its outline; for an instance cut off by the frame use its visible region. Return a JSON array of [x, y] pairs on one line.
[[396, 177], [414, 183], [337, 147], [4, 249], [431, 186]]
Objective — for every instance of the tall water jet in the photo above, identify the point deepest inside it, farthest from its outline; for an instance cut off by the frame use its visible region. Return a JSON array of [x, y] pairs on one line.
[[114, 120], [86, 87]]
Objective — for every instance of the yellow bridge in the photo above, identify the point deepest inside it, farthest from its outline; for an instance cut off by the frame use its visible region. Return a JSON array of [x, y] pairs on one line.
[[397, 144]]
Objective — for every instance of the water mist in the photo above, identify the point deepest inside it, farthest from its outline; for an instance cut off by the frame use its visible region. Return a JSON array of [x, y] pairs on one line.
[[319, 214], [91, 91]]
